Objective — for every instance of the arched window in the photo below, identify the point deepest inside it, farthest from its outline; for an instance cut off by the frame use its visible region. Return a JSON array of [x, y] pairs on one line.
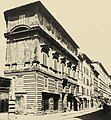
[[19, 28]]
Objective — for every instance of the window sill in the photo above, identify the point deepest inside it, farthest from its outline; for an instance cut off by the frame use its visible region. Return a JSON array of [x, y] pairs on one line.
[[7, 65], [44, 66], [53, 70]]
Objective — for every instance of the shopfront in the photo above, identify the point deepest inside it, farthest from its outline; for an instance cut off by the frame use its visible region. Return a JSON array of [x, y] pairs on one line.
[[50, 101]]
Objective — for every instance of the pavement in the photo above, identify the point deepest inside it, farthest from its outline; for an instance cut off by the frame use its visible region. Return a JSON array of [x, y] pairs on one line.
[[103, 114], [72, 115]]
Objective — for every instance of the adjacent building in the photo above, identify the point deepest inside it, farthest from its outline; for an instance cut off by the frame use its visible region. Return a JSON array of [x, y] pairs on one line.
[[85, 80], [4, 93], [103, 82]]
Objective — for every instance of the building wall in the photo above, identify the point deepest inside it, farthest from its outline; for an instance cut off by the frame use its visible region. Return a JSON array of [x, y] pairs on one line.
[[32, 60], [103, 82], [43, 62], [85, 81]]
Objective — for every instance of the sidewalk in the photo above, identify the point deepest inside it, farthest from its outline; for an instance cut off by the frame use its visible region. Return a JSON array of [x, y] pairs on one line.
[[56, 116]]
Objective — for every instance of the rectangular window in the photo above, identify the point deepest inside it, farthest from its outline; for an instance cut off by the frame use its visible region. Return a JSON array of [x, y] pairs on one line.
[[55, 64], [73, 74], [84, 80], [78, 75], [82, 90], [90, 92], [81, 67], [84, 69], [77, 89], [63, 65], [81, 76], [91, 82], [87, 82], [40, 19], [44, 59], [87, 72], [87, 92], [78, 65], [69, 71]]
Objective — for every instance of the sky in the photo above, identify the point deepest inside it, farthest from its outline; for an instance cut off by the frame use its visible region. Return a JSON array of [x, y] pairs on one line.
[[87, 21]]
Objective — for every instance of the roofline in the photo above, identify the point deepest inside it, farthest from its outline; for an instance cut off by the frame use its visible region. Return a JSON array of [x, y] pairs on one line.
[[87, 58], [103, 68], [38, 5]]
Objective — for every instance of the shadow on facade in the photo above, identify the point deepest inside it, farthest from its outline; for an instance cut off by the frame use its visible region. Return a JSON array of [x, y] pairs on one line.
[[98, 115]]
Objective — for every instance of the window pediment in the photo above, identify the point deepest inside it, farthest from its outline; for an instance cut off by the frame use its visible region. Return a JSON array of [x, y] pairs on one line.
[[19, 28]]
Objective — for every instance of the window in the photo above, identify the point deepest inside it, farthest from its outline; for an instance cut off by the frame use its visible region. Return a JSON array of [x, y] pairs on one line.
[[77, 89], [57, 34], [73, 74], [81, 76], [84, 69], [91, 82], [82, 90], [78, 65], [78, 75], [87, 92], [84, 80], [55, 64], [81, 67], [40, 19], [90, 92], [44, 59], [69, 71], [87, 72], [87, 82], [63, 65]]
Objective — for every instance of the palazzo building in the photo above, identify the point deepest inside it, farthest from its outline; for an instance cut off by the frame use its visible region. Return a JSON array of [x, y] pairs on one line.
[[48, 73], [41, 59]]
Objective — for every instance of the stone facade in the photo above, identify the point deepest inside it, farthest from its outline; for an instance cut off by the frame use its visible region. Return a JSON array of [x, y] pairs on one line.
[[48, 73]]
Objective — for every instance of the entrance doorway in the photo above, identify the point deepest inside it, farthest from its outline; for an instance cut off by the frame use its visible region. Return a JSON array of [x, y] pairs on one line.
[[20, 103], [50, 101]]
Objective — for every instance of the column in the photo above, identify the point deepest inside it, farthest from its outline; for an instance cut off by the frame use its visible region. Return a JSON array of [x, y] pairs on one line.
[[60, 103], [65, 103]]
